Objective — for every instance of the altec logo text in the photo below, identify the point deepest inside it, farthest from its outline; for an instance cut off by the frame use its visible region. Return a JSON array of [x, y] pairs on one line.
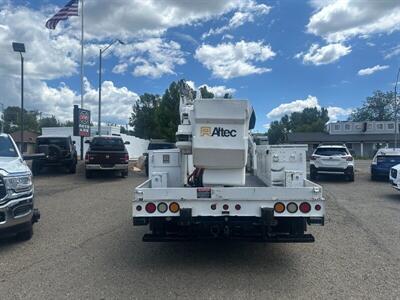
[[218, 131]]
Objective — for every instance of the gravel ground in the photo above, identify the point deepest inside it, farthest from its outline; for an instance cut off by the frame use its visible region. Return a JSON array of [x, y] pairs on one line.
[[85, 247]]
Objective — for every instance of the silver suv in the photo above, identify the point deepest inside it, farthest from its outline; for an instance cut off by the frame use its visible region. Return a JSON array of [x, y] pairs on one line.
[[332, 159]]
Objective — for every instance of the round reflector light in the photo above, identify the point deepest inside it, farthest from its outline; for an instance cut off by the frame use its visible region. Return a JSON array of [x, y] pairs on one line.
[[279, 207], [225, 207], [292, 207], [213, 206], [238, 207], [174, 207], [305, 207], [138, 207], [317, 207], [150, 207], [162, 207]]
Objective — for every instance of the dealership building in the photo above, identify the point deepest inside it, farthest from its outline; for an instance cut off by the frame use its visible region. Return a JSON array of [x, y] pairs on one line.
[[362, 138]]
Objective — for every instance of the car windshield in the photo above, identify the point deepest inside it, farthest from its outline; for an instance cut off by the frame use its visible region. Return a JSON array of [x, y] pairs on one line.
[[107, 143], [60, 142], [7, 148], [331, 151]]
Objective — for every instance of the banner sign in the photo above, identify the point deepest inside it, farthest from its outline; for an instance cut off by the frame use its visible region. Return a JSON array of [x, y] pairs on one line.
[[81, 122]]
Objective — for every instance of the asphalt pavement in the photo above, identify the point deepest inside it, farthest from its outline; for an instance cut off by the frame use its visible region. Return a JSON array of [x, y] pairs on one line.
[[85, 247]]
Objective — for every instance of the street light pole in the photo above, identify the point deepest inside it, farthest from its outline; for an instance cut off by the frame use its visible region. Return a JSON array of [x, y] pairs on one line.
[[20, 47], [101, 52], [395, 110]]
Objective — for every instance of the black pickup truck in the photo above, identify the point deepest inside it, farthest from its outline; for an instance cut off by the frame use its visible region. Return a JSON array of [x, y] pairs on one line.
[[106, 153]]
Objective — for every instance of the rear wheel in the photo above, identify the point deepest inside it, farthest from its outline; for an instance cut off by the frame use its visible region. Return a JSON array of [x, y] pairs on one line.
[[88, 174], [35, 167], [350, 177], [25, 235], [72, 167], [124, 174], [373, 177], [313, 175]]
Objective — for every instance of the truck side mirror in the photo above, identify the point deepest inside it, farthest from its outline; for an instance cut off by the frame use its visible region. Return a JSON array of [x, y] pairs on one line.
[[73, 142], [87, 142], [127, 142]]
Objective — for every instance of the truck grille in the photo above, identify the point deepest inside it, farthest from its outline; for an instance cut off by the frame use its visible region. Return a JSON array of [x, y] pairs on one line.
[[3, 190], [393, 173]]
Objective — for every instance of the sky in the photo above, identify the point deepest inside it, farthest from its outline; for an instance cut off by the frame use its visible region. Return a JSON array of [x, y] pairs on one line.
[[283, 56]]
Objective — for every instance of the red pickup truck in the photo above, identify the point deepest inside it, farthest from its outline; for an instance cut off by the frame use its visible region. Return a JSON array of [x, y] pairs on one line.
[[107, 153]]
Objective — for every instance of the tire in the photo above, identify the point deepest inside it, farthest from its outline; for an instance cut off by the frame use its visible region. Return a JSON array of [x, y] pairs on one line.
[[25, 235], [373, 177], [124, 174], [350, 177], [313, 175], [88, 174], [72, 168], [35, 168]]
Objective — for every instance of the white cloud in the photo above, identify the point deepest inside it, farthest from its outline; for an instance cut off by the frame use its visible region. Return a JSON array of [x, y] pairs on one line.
[[393, 52], [334, 112], [246, 13], [137, 18], [152, 57], [120, 68], [372, 70], [229, 60], [323, 55], [338, 113], [341, 20]]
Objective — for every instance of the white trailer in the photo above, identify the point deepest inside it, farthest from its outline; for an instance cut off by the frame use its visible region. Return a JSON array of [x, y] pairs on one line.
[[212, 196]]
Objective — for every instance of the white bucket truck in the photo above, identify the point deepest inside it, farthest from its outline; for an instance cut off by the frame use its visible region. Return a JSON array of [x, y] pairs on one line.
[[201, 190]]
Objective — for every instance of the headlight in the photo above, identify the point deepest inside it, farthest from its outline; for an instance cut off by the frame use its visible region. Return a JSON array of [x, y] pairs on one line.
[[19, 183]]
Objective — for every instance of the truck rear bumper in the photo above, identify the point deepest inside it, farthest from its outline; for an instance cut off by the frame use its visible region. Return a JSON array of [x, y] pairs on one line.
[[99, 167]]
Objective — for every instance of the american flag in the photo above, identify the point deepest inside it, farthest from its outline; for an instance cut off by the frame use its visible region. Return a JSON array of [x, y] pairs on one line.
[[71, 9]]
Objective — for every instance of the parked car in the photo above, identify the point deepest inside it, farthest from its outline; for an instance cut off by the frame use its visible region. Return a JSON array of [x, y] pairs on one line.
[[394, 176], [383, 161], [59, 151], [156, 145], [107, 153], [17, 210], [332, 159]]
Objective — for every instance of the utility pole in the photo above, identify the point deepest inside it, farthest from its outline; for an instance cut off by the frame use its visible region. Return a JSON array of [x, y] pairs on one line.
[[395, 110], [20, 47]]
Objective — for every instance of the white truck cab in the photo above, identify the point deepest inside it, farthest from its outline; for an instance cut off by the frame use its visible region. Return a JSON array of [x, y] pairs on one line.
[[394, 177], [17, 212]]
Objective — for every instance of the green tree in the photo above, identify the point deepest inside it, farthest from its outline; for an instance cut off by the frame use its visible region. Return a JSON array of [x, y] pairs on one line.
[[49, 122], [205, 94], [144, 117], [12, 115], [309, 120], [378, 107]]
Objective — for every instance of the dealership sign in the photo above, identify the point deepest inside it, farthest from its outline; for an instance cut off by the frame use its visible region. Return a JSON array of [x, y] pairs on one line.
[[81, 121]]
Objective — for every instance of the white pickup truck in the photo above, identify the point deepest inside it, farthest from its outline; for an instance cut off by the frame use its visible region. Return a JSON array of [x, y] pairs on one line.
[[200, 190], [17, 212]]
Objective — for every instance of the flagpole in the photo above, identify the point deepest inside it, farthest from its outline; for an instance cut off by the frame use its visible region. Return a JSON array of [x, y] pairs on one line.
[[82, 44], [82, 70]]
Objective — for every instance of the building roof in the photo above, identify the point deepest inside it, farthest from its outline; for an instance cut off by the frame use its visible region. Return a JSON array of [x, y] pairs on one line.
[[321, 137], [29, 137]]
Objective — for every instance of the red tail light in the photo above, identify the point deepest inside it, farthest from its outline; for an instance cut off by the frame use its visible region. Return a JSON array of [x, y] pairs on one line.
[[305, 207], [349, 158], [87, 157], [150, 207], [313, 157], [126, 157]]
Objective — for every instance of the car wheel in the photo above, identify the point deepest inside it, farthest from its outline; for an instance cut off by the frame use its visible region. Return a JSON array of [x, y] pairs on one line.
[[72, 168], [373, 177], [35, 168], [25, 235], [124, 174], [88, 174], [350, 177], [313, 175]]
